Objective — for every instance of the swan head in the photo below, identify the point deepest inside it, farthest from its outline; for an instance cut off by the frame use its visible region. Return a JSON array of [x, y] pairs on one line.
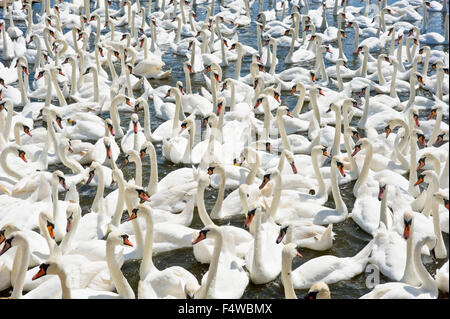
[[209, 231], [215, 168], [7, 230], [382, 184], [353, 131], [144, 147], [50, 267], [187, 123], [338, 160], [442, 196], [443, 136], [290, 251], [268, 177], [408, 218], [109, 126], [140, 208], [203, 180], [134, 121], [14, 237], [319, 290], [46, 223], [21, 153], [95, 166], [58, 177], [320, 149], [283, 110], [298, 87], [117, 237], [358, 146], [420, 136], [249, 218], [73, 210], [282, 233]]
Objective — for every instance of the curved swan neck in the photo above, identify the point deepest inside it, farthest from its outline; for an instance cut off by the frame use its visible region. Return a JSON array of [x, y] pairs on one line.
[[203, 214], [4, 164], [122, 285], [340, 205], [365, 169]]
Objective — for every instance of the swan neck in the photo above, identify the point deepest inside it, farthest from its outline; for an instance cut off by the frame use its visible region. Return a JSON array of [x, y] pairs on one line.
[[122, 286]]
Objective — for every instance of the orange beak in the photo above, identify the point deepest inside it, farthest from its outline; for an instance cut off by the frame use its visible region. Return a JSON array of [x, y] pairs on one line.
[[293, 90], [248, 220], [39, 274], [432, 114], [200, 237], [22, 156], [419, 181], [127, 242], [407, 231]]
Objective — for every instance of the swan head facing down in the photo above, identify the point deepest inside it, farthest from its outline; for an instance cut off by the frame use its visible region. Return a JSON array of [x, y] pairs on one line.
[[442, 196], [408, 218], [94, 166], [319, 290], [134, 121], [58, 177], [283, 110], [382, 184], [338, 161], [268, 177], [289, 252]]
